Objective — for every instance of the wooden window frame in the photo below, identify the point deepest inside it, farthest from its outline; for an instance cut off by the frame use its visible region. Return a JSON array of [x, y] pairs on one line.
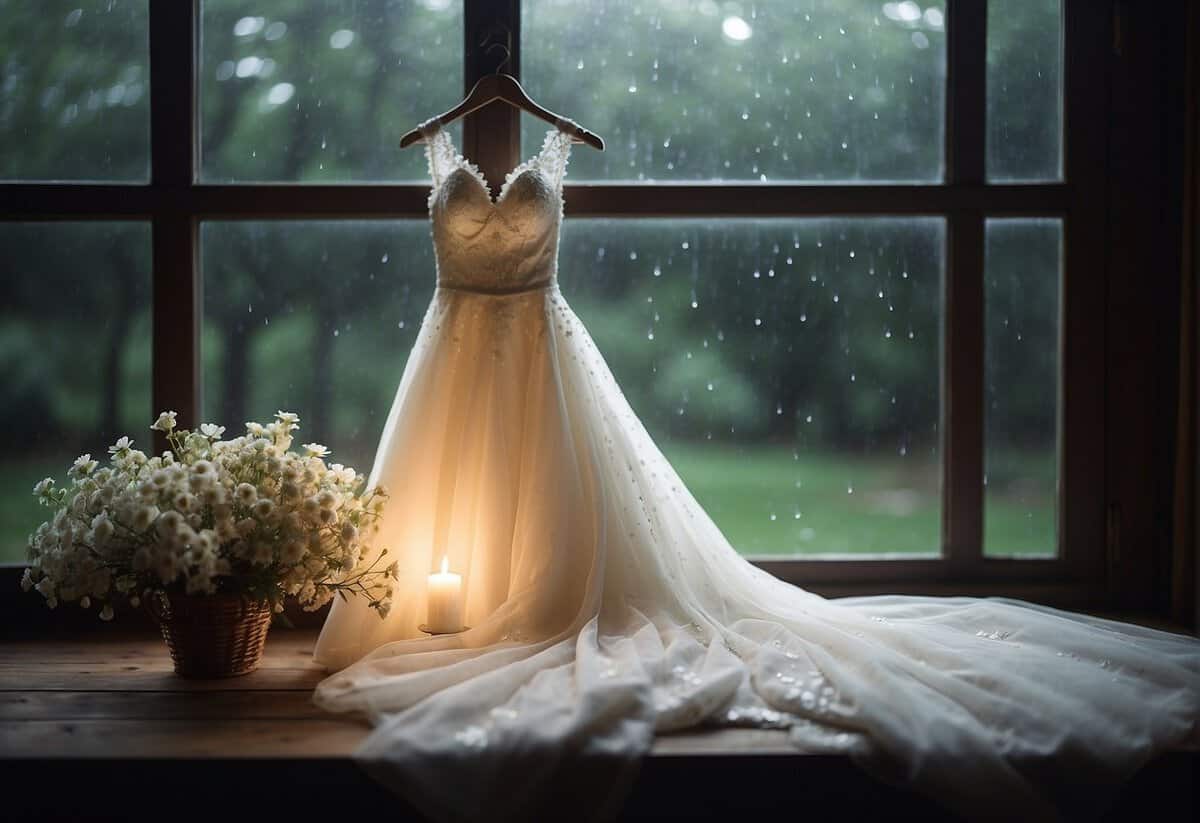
[[1083, 572]]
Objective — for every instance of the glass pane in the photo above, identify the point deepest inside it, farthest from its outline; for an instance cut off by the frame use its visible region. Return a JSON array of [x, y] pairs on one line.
[[1023, 271], [787, 368], [323, 91], [74, 90], [774, 90], [313, 317], [1024, 90], [74, 355]]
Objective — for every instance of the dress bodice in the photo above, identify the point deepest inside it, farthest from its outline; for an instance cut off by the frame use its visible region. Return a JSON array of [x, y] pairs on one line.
[[509, 244]]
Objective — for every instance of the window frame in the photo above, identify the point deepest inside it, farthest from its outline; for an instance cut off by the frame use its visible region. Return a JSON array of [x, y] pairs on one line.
[[1081, 573]]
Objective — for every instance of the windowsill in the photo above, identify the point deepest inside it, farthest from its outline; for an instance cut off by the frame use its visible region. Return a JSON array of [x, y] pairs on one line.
[[88, 717]]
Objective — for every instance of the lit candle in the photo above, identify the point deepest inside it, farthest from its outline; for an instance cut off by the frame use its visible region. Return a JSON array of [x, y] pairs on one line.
[[445, 601]]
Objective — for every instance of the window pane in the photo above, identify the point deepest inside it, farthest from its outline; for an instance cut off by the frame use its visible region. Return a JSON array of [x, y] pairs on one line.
[[74, 90], [323, 91], [314, 317], [1024, 90], [787, 368], [1023, 272], [775, 90], [74, 355]]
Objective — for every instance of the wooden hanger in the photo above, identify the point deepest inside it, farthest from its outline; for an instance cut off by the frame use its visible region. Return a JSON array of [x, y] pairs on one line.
[[504, 87]]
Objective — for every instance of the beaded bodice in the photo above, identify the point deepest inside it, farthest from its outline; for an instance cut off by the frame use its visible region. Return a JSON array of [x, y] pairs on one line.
[[509, 244]]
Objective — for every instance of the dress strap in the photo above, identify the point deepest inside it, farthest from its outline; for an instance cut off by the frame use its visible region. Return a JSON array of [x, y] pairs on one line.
[[556, 150], [439, 152]]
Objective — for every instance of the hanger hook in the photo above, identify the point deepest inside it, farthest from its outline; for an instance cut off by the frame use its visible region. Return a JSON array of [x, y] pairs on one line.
[[495, 32], [507, 55]]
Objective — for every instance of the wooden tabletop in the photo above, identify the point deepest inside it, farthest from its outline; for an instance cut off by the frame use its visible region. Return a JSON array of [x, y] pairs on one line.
[[114, 695], [86, 721]]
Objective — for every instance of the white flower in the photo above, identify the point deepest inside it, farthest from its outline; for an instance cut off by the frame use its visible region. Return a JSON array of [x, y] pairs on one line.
[[214, 495], [121, 446], [384, 607], [106, 613], [203, 545], [327, 499], [27, 580], [203, 471], [211, 430], [288, 418], [264, 507], [44, 487], [349, 533], [255, 429], [184, 502], [315, 450], [246, 494], [102, 528], [83, 466], [328, 517], [143, 516], [85, 602], [160, 478], [165, 422], [170, 523], [246, 526]]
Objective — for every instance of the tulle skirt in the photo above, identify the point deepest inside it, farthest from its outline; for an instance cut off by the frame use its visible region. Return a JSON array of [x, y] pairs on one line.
[[605, 606]]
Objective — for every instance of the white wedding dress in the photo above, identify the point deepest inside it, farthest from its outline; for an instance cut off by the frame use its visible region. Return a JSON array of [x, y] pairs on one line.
[[605, 606]]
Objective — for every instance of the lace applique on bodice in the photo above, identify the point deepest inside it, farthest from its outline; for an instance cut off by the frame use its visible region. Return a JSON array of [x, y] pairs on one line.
[[509, 244]]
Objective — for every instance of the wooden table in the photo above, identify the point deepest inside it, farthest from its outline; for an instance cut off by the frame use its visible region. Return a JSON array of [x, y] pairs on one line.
[[86, 722]]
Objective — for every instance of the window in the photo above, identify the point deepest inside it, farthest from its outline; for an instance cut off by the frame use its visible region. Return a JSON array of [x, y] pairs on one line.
[[838, 245]]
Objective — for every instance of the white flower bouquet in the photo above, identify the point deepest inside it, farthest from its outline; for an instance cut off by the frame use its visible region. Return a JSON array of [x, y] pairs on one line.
[[243, 516]]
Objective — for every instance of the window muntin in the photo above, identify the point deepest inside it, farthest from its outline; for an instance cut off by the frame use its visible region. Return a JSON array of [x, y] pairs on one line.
[[74, 91], [771, 91], [74, 355], [788, 368], [322, 91], [1021, 373]]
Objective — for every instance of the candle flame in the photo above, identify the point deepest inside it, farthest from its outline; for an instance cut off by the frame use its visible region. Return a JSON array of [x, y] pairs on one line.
[[445, 564]]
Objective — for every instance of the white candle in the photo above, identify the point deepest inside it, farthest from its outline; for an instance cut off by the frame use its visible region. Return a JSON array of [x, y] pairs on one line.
[[445, 601]]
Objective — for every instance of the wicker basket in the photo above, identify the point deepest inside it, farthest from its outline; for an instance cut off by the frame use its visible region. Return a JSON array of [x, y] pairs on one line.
[[219, 635]]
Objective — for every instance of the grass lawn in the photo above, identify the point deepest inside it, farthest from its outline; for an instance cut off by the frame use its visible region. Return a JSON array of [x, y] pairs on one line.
[[769, 502], [766, 501]]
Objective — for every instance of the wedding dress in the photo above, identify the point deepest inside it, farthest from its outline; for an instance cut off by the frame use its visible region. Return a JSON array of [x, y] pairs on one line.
[[606, 607]]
